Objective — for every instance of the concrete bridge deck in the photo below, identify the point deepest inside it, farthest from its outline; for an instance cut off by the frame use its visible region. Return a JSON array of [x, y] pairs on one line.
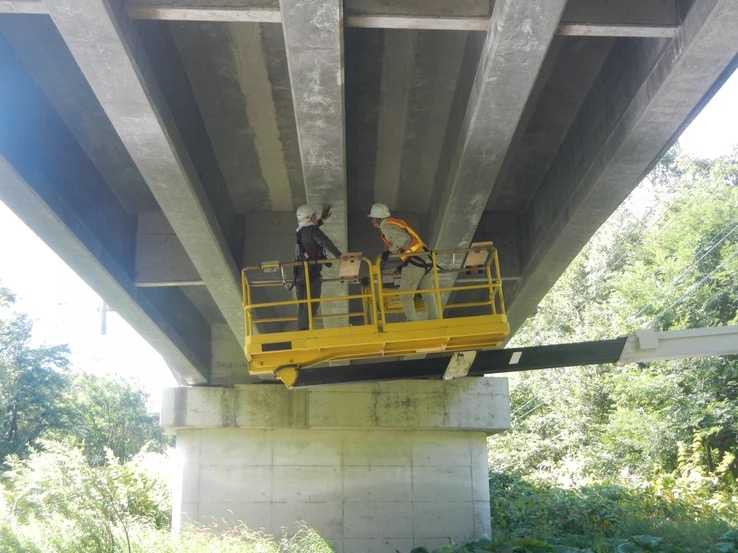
[[160, 146]]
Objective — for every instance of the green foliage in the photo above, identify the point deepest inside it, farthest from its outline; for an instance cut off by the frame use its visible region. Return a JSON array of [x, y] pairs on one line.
[[672, 266], [236, 538], [728, 542], [639, 457], [41, 398], [12, 543], [661, 516], [93, 505], [33, 385], [56, 502], [112, 415]]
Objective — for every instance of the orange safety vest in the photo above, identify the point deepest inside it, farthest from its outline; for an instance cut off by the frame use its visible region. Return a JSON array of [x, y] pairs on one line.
[[416, 244]]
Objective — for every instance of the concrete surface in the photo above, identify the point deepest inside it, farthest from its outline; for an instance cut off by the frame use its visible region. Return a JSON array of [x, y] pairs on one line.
[[512, 121], [372, 467]]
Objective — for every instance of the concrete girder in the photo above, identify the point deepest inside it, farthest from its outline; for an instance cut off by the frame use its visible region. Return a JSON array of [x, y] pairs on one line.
[[185, 348], [666, 83], [67, 90], [213, 58], [160, 257], [23, 6], [110, 56], [257, 89], [48, 180], [175, 88], [467, 13], [631, 18], [513, 54], [314, 39], [433, 86], [313, 35], [397, 67], [275, 52], [464, 15], [624, 13], [548, 119], [263, 11]]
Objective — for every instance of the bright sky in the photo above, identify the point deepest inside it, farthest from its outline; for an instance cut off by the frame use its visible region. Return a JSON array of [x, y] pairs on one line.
[[714, 132], [67, 311]]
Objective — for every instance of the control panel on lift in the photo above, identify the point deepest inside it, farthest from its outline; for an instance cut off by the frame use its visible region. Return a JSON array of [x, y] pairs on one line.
[[360, 313]]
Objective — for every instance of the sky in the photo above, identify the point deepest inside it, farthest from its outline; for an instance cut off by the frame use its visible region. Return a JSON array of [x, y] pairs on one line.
[[714, 132], [67, 311]]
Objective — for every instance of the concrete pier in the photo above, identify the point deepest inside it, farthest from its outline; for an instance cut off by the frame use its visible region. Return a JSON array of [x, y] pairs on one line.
[[372, 467]]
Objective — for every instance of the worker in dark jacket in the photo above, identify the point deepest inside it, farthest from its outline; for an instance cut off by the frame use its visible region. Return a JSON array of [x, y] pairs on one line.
[[312, 244]]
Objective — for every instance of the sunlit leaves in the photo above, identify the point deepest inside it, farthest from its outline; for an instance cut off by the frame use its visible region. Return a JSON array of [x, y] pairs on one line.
[[41, 397], [667, 259], [111, 414], [33, 385]]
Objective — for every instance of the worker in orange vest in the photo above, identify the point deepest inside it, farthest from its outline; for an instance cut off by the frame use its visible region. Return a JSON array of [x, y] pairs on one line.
[[417, 266]]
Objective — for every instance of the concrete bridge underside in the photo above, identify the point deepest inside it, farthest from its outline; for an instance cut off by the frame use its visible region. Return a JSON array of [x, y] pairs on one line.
[[158, 146]]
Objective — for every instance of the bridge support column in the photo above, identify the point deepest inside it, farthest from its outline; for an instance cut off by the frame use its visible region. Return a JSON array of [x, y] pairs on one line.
[[372, 467]]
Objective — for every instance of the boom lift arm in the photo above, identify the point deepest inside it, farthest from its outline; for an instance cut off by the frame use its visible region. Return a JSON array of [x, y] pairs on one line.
[[639, 347]]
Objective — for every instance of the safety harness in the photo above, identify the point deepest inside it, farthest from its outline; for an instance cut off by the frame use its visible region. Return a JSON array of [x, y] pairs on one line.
[[416, 245], [307, 250]]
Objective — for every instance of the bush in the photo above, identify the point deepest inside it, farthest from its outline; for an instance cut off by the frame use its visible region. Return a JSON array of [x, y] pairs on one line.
[[58, 502], [604, 517]]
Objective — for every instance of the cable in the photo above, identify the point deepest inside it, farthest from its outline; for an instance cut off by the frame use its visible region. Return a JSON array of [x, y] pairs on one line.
[[676, 279], [521, 417], [673, 202], [691, 288], [714, 188]]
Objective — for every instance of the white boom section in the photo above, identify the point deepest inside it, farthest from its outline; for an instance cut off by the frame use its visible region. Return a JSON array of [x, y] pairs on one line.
[[648, 345]]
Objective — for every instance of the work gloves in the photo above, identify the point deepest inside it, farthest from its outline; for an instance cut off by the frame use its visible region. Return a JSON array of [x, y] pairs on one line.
[[324, 214]]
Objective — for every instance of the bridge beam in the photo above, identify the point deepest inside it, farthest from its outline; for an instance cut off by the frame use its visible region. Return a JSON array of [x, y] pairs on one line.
[[100, 38], [63, 199], [582, 17], [508, 68], [633, 113]]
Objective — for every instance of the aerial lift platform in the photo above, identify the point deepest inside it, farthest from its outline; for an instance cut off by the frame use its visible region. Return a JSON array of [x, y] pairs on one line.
[[364, 320]]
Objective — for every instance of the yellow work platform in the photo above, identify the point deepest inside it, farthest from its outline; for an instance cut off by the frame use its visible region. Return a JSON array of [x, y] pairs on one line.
[[360, 325]]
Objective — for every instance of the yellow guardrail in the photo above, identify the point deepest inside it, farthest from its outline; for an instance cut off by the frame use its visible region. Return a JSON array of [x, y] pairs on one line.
[[360, 311]]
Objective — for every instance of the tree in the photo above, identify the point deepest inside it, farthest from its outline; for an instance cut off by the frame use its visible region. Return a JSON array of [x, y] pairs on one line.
[[667, 259], [33, 385], [40, 397], [80, 507], [112, 414]]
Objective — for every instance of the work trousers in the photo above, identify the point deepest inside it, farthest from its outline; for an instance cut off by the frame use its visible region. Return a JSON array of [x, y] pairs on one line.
[[412, 278], [316, 285]]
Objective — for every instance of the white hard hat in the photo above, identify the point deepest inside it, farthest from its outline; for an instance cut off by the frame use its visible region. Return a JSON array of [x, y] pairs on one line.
[[379, 211], [304, 213]]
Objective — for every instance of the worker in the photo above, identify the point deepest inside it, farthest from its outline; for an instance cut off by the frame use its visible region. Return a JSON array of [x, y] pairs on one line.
[[311, 246], [417, 265]]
